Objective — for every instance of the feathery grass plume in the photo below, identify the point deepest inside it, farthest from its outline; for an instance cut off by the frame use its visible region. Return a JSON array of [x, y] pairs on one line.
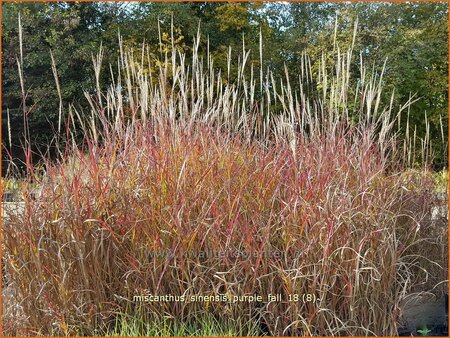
[[58, 89], [9, 129]]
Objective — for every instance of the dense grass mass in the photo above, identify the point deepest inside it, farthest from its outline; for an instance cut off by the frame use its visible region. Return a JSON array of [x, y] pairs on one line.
[[175, 177]]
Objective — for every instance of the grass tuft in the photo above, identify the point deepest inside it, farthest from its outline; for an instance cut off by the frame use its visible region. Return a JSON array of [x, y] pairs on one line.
[[180, 175]]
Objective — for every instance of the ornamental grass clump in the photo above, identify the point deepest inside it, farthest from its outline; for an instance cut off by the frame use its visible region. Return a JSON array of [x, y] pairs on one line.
[[189, 186]]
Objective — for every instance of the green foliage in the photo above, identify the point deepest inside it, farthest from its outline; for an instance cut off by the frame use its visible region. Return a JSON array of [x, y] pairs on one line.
[[206, 325], [238, 17], [72, 32], [441, 180], [11, 184], [424, 331]]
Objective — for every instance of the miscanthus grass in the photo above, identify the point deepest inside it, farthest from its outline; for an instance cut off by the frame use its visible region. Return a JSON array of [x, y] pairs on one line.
[[309, 181]]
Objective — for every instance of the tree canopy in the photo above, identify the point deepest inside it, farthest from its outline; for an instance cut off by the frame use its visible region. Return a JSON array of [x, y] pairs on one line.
[[412, 36]]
